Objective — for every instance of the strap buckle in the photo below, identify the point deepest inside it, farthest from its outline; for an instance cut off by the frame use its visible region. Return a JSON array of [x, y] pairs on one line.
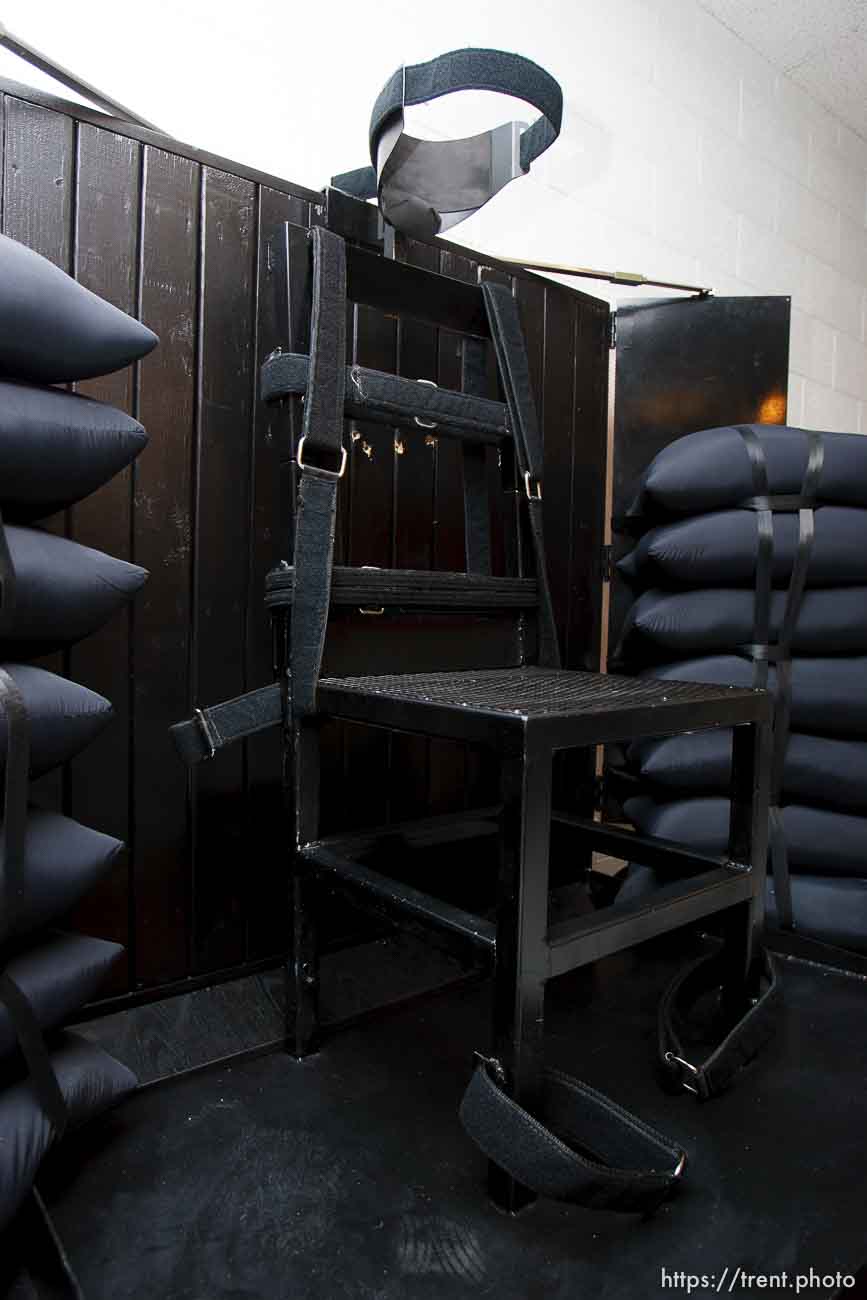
[[672, 1059], [532, 486], [493, 1067], [329, 473], [207, 729], [426, 424]]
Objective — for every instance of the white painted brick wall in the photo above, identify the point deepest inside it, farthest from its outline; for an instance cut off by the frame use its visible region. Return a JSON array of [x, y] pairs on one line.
[[683, 155]]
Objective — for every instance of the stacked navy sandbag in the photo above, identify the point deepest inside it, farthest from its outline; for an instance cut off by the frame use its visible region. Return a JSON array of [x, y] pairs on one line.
[[56, 447], [750, 568]]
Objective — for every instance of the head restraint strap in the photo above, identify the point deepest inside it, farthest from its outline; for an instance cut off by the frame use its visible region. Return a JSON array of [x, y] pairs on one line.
[[426, 186]]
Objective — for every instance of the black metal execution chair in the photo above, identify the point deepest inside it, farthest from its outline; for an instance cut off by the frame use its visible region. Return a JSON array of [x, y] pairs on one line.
[[543, 1132]]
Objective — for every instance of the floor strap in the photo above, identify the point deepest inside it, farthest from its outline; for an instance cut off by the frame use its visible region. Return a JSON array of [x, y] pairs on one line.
[[742, 1041], [578, 1146]]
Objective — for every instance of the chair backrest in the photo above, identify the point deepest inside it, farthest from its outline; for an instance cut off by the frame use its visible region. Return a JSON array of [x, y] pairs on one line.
[[492, 613]]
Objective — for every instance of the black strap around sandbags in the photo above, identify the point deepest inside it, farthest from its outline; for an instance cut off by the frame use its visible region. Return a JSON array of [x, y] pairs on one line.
[[581, 1147], [511, 351], [762, 652], [12, 890], [426, 186]]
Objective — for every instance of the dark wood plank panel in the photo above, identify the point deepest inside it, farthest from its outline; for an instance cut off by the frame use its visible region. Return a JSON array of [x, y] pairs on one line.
[[225, 377], [163, 539], [38, 181], [267, 830], [106, 262]]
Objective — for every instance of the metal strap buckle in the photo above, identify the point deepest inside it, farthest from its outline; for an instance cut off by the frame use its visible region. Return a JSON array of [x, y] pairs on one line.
[[207, 729], [687, 1065], [492, 1065], [329, 473], [533, 487], [426, 424]]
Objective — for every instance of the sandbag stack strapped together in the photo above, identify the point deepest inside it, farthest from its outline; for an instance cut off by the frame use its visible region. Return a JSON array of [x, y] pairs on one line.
[[751, 568], [55, 449]]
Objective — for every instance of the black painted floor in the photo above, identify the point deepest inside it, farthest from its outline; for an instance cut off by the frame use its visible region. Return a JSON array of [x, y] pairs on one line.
[[349, 1176]]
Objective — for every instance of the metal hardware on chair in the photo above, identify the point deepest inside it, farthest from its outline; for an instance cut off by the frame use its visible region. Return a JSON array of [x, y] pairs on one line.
[[331, 473], [211, 740], [530, 485], [426, 424], [687, 1065]]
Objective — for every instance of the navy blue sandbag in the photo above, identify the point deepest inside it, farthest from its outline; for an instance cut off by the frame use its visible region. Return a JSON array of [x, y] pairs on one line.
[[818, 840], [57, 976], [53, 330], [817, 769], [91, 1081], [826, 908], [64, 717], [662, 623], [711, 470], [63, 860], [56, 448], [830, 908], [829, 696], [721, 550], [63, 592]]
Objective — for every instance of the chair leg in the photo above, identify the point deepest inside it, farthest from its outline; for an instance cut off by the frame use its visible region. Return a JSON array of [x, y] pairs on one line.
[[302, 969], [522, 923], [748, 844]]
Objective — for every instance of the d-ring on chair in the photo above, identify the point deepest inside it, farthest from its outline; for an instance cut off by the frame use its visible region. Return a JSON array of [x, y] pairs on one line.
[[544, 1133]]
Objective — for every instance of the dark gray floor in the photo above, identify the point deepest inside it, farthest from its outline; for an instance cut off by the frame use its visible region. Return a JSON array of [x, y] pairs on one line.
[[349, 1175]]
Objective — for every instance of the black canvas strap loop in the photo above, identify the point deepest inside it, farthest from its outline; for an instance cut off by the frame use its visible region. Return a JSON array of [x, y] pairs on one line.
[[321, 466], [716, 1072], [426, 186], [578, 1147], [508, 336]]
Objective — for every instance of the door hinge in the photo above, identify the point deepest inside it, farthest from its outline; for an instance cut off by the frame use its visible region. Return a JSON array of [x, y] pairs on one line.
[[612, 330], [607, 563]]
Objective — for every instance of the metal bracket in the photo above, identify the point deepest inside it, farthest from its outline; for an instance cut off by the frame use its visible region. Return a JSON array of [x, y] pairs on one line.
[[212, 740]]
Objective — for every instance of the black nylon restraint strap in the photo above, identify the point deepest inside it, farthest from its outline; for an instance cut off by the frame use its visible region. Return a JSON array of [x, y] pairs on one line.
[[222, 724], [392, 399], [716, 1073], [761, 652], [581, 1147], [321, 439], [12, 887], [508, 337]]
